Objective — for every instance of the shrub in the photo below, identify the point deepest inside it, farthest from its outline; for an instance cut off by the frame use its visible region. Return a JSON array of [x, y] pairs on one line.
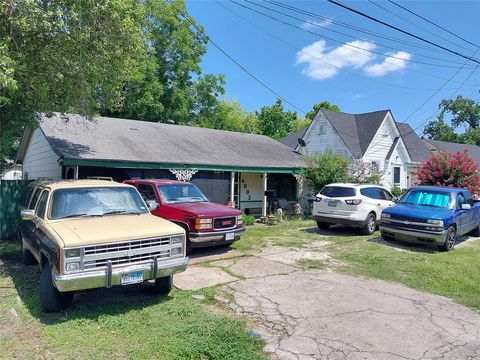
[[397, 191], [323, 169], [248, 220], [454, 170], [362, 172]]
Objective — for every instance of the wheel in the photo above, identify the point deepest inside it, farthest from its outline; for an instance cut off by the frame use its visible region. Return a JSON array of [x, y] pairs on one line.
[[28, 258], [323, 225], [449, 240], [163, 285], [476, 232], [51, 299], [370, 224]]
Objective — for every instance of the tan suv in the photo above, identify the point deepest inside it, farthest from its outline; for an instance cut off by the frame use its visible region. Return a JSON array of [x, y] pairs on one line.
[[88, 234]]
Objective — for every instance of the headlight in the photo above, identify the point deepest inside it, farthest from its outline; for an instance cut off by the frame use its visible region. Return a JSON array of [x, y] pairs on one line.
[[203, 221], [385, 216], [72, 253], [176, 251], [435, 222], [239, 219], [176, 239], [73, 266]]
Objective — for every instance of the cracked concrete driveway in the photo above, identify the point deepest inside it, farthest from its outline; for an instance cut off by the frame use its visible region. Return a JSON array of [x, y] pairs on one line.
[[319, 315]]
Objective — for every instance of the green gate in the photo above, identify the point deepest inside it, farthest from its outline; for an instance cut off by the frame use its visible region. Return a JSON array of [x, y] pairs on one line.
[[10, 193]]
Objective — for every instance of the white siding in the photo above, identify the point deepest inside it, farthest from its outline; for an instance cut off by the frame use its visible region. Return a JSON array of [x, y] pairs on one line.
[[40, 160], [328, 140], [398, 159]]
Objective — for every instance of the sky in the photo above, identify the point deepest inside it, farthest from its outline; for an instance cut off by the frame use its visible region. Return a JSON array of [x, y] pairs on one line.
[[367, 68]]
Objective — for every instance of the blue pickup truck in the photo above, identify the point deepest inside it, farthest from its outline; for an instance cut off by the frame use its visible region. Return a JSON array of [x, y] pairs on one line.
[[432, 215]]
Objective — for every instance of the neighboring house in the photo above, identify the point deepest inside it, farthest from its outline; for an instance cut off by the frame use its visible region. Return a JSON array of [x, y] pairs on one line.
[[436, 146], [227, 166], [13, 172], [392, 148]]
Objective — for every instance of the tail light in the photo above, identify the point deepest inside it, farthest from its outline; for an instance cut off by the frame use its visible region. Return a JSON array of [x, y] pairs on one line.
[[353, 202], [318, 199]]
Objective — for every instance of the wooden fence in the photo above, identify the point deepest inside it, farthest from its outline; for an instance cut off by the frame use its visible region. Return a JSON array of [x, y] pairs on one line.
[[10, 193]]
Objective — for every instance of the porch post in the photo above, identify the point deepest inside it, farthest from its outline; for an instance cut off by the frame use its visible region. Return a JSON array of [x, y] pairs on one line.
[[264, 204], [75, 172], [232, 187]]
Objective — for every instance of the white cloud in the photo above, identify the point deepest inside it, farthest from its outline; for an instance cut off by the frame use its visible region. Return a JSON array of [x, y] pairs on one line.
[[317, 58], [389, 64], [312, 24], [322, 62]]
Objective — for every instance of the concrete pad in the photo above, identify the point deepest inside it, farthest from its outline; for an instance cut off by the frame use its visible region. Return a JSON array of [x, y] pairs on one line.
[[318, 315], [197, 277], [200, 256], [251, 267], [223, 263], [290, 256]]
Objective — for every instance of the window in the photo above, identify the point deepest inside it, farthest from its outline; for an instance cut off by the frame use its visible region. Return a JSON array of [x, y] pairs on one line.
[[385, 130], [147, 192], [42, 205], [460, 201], [427, 198], [374, 167], [182, 193], [321, 129], [396, 175], [372, 193], [337, 191], [387, 195], [33, 202]]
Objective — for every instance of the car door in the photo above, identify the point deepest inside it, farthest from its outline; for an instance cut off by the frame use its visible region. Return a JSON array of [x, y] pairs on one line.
[[148, 194], [39, 218], [373, 200], [28, 226], [462, 216], [386, 198]]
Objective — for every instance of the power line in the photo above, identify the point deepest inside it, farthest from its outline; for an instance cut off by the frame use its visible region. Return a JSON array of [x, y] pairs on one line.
[[312, 56], [415, 24], [402, 31], [202, 32], [341, 42], [432, 23]]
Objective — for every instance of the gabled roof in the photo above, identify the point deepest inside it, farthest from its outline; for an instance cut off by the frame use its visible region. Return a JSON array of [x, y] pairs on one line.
[[291, 140], [452, 148], [415, 146], [129, 141]]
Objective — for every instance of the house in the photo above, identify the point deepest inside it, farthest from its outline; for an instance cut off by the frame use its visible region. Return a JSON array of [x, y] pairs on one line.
[[12, 172], [227, 166], [392, 148], [436, 146]]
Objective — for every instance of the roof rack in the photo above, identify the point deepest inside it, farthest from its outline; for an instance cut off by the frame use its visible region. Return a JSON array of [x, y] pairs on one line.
[[106, 178]]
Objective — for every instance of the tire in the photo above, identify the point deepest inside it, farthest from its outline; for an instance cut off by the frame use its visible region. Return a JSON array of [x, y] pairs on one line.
[[323, 225], [370, 224], [51, 299], [163, 285], [449, 240], [28, 258]]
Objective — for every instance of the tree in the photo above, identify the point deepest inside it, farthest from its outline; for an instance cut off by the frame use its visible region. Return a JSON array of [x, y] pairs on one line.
[[68, 56], [275, 122], [322, 169], [464, 114], [362, 172], [322, 105], [231, 116], [454, 170]]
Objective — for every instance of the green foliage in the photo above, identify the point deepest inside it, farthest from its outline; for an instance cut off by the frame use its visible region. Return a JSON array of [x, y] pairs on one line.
[[10, 193], [323, 169], [231, 116], [464, 114], [322, 105], [397, 191], [275, 122], [248, 220]]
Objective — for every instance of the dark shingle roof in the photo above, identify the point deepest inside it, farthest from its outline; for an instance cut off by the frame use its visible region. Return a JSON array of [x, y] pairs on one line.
[[109, 139], [416, 148], [291, 140], [452, 148]]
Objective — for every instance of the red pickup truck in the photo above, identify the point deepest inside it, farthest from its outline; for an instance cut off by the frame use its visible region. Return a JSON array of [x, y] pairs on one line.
[[206, 223]]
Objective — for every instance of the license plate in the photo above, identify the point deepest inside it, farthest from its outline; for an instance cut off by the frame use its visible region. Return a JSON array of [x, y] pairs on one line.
[[132, 278], [332, 203], [229, 236]]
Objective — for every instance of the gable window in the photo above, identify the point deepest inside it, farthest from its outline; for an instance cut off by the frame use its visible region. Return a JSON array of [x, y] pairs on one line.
[[385, 130], [321, 129], [396, 175]]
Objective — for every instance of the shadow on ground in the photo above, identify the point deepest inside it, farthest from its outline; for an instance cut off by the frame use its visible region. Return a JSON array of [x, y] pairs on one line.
[[334, 230]]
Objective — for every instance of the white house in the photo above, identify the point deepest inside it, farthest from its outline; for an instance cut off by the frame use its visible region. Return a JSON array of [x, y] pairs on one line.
[[392, 148]]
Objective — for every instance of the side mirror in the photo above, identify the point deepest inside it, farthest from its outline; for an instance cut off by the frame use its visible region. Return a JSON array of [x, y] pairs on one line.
[[466, 207], [27, 214], [395, 199], [152, 204]]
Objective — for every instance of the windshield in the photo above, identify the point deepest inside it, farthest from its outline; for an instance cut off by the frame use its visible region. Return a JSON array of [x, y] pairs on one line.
[[427, 198], [95, 201], [180, 193]]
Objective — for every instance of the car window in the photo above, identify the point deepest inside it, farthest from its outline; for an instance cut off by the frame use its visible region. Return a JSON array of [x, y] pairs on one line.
[[372, 193], [147, 192], [386, 195], [337, 191], [35, 197], [460, 200], [42, 205]]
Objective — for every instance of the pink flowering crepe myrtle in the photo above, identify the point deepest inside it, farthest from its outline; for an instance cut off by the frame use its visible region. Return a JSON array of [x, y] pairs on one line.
[[453, 170]]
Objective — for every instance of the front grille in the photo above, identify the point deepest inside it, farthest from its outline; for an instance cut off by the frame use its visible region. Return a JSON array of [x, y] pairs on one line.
[[224, 222], [126, 252], [407, 218], [411, 226]]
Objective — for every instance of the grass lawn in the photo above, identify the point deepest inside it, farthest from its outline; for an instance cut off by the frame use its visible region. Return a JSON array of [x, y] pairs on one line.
[[455, 274], [114, 324]]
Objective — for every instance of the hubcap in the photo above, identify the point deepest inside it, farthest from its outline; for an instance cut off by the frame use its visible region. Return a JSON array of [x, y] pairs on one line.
[[371, 224], [450, 239]]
